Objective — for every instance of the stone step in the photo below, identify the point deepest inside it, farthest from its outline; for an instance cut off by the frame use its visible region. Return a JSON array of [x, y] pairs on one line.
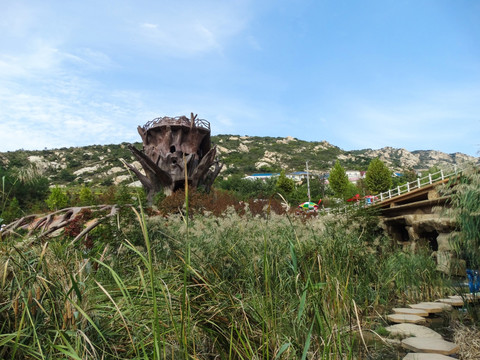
[[451, 301], [431, 309], [426, 356], [408, 330], [446, 307], [410, 311], [471, 297], [467, 297], [405, 318], [430, 345]]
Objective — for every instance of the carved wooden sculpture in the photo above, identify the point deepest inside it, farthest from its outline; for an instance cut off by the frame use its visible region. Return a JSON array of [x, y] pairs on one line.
[[169, 144]]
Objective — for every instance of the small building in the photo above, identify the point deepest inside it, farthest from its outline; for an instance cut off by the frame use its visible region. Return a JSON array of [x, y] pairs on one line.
[[298, 175], [355, 175], [261, 176]]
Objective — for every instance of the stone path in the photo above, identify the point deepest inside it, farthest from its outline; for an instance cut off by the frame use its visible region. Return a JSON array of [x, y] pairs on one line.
[[404, 318], [426, 343], [410, 311], [420, 356], [430, 345], [408, 330]]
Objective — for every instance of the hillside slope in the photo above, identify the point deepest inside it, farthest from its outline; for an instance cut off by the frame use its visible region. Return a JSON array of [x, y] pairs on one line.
[[243, 155]]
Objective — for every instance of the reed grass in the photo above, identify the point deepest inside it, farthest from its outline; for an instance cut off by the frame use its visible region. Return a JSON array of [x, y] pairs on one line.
[[204, 287]]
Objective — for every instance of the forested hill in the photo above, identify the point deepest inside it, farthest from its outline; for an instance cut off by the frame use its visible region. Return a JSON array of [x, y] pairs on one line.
[[242, 155]]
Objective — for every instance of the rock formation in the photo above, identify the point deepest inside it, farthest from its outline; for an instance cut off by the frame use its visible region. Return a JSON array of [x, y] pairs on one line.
[[175, 149]]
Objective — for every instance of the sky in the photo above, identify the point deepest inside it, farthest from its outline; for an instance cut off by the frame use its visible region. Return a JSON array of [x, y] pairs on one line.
[[358, 74]]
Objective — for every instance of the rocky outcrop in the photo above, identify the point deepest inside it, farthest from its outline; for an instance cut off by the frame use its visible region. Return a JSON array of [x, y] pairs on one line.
[[432, 231]]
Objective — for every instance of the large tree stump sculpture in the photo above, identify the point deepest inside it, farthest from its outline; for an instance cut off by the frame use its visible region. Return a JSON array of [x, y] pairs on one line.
[[169, 144]]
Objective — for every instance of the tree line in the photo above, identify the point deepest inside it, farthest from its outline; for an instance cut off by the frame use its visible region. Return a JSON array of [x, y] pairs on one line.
[[26, 191]]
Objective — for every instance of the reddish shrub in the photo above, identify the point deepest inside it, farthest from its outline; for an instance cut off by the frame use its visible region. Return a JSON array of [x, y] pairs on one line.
[[216, 202]]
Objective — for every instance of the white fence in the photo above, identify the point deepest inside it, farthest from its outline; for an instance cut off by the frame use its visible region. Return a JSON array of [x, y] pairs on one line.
[[403, 189], [417, 184]]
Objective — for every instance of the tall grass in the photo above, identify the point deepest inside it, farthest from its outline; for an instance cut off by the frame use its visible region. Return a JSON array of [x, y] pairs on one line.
[[203, 287]]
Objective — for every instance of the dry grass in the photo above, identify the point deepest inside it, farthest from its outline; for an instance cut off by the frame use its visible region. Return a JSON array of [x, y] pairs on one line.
[[468, 338]]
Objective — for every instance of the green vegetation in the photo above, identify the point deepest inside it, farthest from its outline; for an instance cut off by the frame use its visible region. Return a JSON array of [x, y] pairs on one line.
[[57, 199], [465, 199], [22, 191], [379, 177], [338, 180], [232, 287], [228, 275], [284, 185]]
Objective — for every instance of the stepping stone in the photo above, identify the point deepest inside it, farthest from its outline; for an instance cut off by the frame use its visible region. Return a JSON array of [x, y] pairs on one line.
[[404, 318], [465, 297], [429, 345], [409, 330], [425, 356], [453, 302], [444, 306], [410, 311], [472, 297], [432, 309]]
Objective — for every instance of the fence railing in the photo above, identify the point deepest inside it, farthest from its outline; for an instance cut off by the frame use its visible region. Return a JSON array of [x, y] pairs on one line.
[[430, 179], [178, 120], [416, 184]]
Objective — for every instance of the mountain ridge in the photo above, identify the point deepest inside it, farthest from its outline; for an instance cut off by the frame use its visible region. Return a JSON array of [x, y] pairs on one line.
[[241, 155]]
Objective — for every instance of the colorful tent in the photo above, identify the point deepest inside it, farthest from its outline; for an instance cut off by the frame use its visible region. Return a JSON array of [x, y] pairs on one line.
[[308, 206]]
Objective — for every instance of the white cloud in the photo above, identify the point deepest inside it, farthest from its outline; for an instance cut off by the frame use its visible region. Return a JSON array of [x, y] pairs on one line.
[[71, 112], [190, 27], [434, 120]]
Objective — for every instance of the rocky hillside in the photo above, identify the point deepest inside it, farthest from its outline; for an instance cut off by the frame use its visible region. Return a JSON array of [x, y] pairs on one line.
[[243, 155]]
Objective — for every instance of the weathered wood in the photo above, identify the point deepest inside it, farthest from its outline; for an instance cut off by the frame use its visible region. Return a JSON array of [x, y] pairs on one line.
[[171, 147], [46, 224]]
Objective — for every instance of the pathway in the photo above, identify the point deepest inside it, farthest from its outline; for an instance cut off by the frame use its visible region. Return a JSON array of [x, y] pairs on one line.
[[425, 343]]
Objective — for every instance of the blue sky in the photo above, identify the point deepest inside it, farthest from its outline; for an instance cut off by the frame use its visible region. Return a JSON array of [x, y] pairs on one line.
[[359, 74]]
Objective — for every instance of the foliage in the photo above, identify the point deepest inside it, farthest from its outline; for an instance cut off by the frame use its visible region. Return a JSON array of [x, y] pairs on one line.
[[11, 212], [465, 200], [27, 186], [217, 202], [379, 177], [338, 180], [65, 175], [246, 189], [86, 196], [57, 199], [284, 185], [351, 190], [407, 176], [231, 287]]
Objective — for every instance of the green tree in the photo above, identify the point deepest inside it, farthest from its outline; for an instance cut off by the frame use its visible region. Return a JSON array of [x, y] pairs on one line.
[[407, 176], [379, 177], [351, 190], [285, 185], [338, 180], [57, 199], [11, 212], [246, 189], [86, 197]]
